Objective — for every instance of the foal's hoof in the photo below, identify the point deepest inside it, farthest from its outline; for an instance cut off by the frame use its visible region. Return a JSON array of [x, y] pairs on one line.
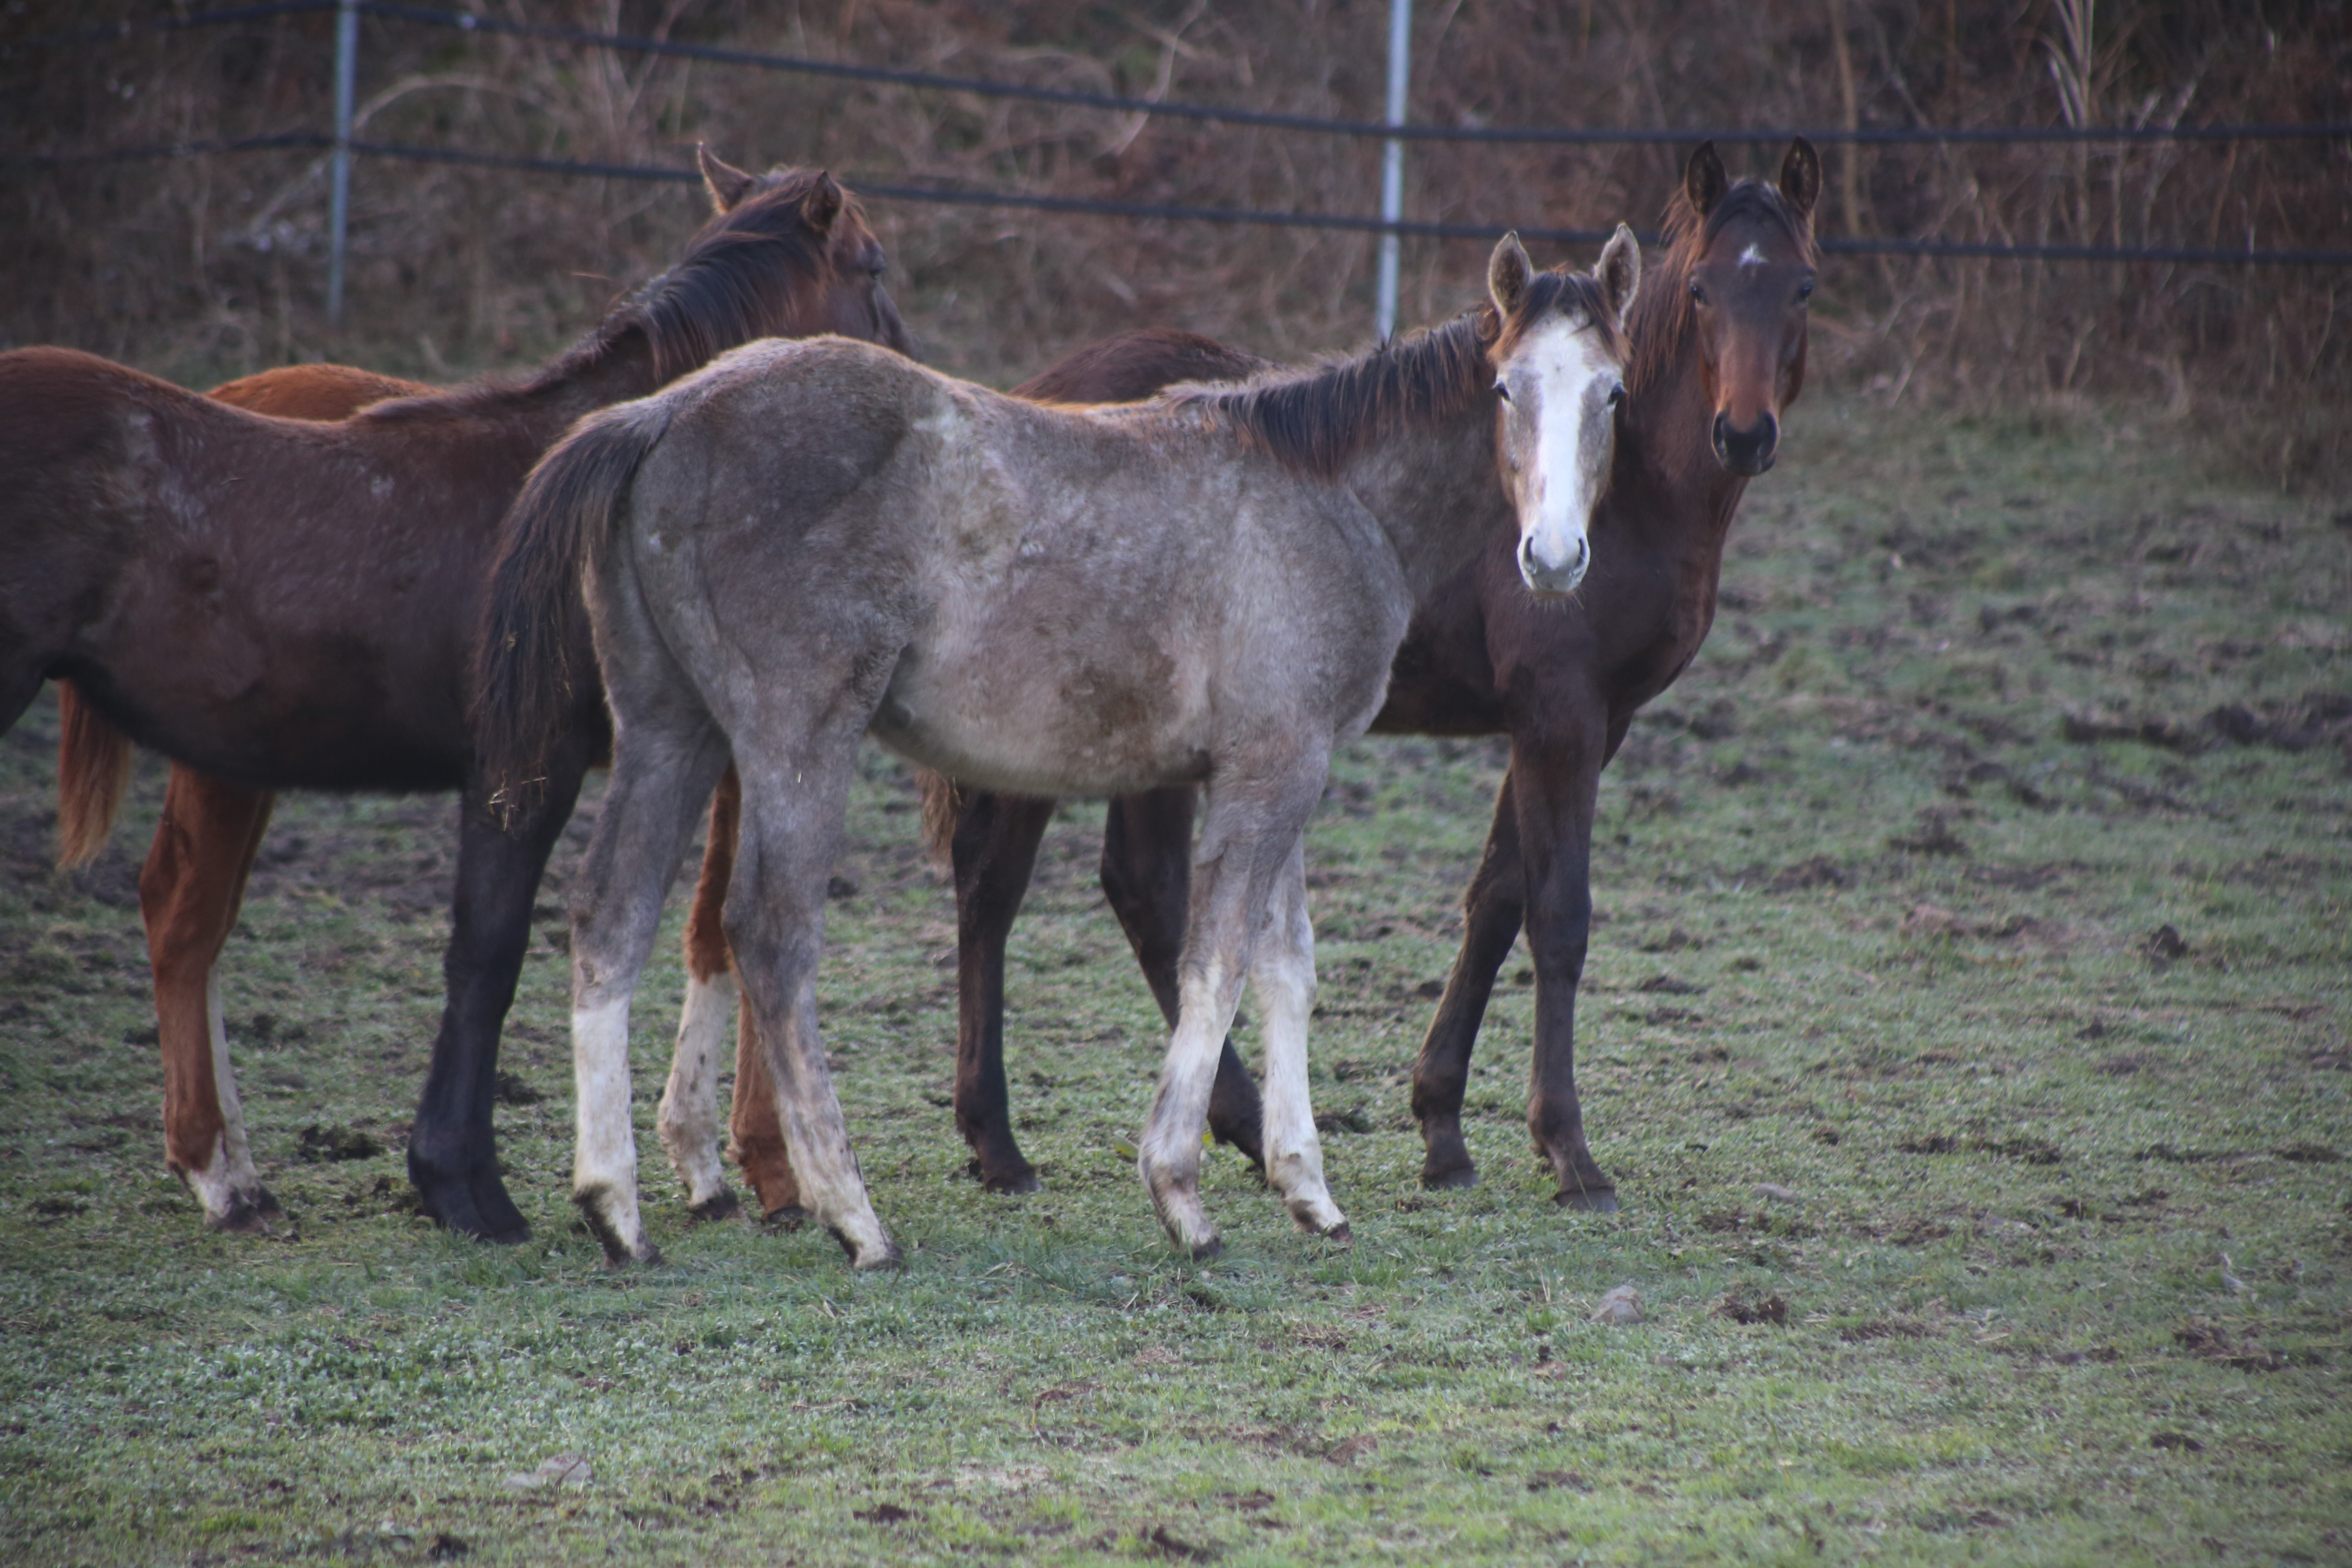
[[1203, 1251], [1012, 1181], [720, 1205], [882, 1255], [1341, 1236], [792, 1217], [1592, 1200]]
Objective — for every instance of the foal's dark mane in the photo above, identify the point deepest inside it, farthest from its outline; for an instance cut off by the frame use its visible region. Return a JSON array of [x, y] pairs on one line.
[[1313, 419], [1662, 315], [735, 283]]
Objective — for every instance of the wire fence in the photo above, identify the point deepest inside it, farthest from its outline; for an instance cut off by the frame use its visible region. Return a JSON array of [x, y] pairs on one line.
[[345, 146]]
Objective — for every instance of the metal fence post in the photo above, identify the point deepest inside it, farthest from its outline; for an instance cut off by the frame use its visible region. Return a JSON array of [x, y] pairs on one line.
[[347, 48], [1393, 162]]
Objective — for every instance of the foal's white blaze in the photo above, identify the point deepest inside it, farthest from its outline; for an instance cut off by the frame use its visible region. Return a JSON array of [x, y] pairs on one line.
[[1562, 437]]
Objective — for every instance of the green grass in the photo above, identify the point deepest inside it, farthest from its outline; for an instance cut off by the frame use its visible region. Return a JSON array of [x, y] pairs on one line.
[[2021, 1148]]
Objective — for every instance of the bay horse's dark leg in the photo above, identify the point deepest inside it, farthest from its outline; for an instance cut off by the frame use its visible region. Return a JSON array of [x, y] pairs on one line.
[[994, 849], [1147, 875], [189, 894], [452, 1152], [1491, 911], [1557, 786]]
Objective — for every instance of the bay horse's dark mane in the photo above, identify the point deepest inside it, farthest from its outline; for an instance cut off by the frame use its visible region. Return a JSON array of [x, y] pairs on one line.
[[735, 283], [1311, 420], [1662, 316]]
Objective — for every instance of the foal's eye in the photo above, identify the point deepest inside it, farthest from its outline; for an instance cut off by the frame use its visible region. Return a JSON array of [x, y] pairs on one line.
[[1502, 392], [1805, 290], [1697, 293], [1617, 395]]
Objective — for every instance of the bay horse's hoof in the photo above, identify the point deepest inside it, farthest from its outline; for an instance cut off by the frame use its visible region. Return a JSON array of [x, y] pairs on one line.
[[1012, 1182], [720, 1205], [1593, 1200], [1439, 1178], [471, 1203], [792, 1217]]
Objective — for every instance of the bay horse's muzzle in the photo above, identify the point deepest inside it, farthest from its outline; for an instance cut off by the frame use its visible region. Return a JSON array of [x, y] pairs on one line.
[[1749, 452]]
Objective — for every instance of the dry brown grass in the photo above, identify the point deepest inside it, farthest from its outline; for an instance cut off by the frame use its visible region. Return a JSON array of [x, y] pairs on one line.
[[216, 265]]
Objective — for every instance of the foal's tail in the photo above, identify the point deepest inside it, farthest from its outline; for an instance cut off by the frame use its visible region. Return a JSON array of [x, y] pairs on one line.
[[93, 766], [522, 665]]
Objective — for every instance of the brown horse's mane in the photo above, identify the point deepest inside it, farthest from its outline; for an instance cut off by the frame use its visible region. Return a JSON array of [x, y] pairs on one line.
[[1313, 419], [1662, 315], [735, 283]]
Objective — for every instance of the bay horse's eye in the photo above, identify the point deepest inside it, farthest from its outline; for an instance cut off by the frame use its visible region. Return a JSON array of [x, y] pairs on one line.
[[1502, 392], [1805, 290], [1697, 293]]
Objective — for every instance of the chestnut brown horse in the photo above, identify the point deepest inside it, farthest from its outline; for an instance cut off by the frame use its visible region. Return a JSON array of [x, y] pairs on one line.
[[1718, 338], [277, 604]]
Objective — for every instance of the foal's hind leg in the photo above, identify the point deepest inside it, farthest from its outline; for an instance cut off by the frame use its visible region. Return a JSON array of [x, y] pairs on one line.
[[1557, 789], [189, 892], [666, 758], [1146, 870], [688, 1118], [1283, 976], [793, 799]]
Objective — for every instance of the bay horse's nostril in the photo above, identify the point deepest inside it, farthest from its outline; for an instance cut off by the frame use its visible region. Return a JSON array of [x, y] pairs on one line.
[[1746, 452]]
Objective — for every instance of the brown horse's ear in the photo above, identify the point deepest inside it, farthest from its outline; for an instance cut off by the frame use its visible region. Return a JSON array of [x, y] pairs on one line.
[[1509, 272], [1704, 181], [822, 203], [727, 186], [1801, 176], [1620, 271]]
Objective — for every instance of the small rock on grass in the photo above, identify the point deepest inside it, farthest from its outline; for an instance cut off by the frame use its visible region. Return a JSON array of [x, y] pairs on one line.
[[1776, 1192], [1620, 1306], [563, 1470]]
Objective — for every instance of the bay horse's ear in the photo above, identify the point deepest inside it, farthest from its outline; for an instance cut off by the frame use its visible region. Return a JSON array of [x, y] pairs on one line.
[[1801, 176], [1704, 181], [727, 186], [1509, 272], [822, 203], [1620, 271]]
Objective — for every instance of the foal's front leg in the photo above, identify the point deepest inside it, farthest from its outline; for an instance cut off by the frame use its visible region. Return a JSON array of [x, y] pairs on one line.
[[1283, 978]]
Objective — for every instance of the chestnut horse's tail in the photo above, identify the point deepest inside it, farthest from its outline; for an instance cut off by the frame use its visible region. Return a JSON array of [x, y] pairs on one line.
[[530, 623], [93, 767], [943, 805]]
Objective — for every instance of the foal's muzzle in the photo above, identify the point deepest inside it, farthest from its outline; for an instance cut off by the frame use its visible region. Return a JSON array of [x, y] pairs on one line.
[[1749, 452], [1554, 579]]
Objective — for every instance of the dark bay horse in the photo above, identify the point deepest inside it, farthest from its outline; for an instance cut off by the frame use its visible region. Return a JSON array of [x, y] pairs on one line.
[[279, 603], [1718, 352], [810, 541]]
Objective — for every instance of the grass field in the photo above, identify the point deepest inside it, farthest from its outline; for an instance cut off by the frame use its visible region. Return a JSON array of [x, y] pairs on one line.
[[2058, 1272]]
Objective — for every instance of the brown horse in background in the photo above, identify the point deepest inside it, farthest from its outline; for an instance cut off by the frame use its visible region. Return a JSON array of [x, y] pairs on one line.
[[280, 604], [1718, 336]]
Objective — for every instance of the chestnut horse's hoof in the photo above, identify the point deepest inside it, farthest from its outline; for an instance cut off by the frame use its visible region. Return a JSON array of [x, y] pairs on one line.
[[720, 1205], [1592, 1200]]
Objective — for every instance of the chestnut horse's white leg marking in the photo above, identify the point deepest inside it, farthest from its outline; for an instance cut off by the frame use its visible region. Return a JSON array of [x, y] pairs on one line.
[[688, 1121], [604, 1156], [226, 1183], [1284, 979]]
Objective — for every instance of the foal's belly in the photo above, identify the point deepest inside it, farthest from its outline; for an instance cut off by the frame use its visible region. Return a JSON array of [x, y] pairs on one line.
[[1103, 726]]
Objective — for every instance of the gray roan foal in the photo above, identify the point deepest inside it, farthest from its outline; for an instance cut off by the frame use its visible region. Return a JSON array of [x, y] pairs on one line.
[[810, 541]]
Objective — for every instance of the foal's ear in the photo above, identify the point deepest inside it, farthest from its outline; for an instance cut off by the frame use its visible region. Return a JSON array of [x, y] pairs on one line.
[[1509, 272], [1801, 176], [822, 203], [1704, 181], [727, 186], [1620, 271]]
